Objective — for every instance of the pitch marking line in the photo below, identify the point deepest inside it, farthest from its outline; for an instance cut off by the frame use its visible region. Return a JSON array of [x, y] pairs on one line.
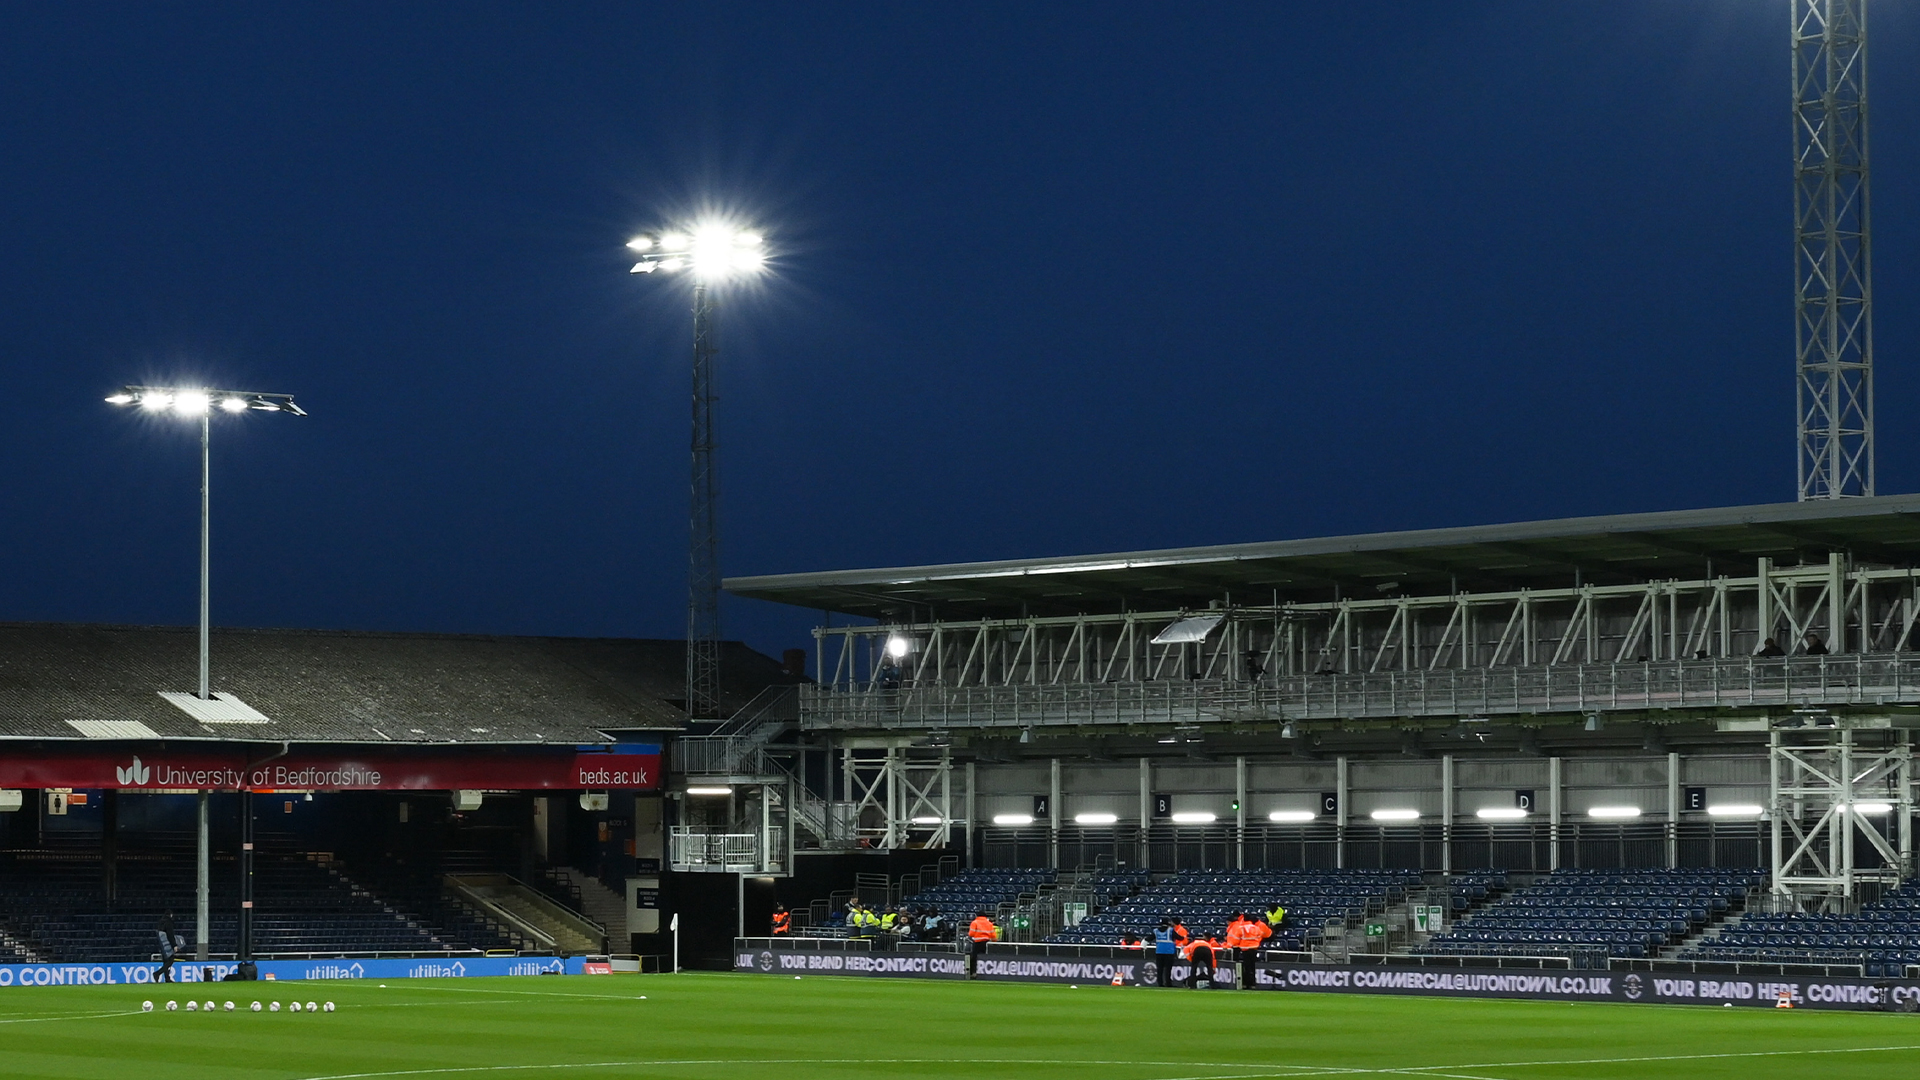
[[1251, 1071]]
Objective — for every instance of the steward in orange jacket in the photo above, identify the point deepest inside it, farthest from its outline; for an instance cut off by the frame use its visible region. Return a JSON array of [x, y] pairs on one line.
[[782, 919]]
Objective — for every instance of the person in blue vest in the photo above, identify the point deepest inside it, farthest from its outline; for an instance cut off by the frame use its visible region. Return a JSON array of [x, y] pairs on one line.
[[1165, 951]]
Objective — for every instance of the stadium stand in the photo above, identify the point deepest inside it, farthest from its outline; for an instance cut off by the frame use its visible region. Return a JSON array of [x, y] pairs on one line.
[[1631, 913], [1883, 937], [1205, 900], [980, 890]]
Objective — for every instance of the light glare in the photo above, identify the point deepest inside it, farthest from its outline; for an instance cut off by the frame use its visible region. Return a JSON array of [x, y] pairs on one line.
[[1500, 813], [1291, 815], [1194, 817], [156, 402], [1874, 808], [1013, 819], [1614, 812], [898, 646], [1735, 810], [1095, 818], [640, 243], [233, 404], [1395, 815], [709, 791]]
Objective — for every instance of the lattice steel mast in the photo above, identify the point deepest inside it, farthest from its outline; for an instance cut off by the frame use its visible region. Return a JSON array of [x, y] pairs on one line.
[[1833, 278], [703, 549], [710, 252]]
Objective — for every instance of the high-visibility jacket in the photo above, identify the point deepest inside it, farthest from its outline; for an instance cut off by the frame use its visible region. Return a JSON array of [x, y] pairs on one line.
[[1237, 934], [1256, 934], [782, 921], [1180, 935], [1163, 941], [887, 920], [1274, 916], [982, 929]]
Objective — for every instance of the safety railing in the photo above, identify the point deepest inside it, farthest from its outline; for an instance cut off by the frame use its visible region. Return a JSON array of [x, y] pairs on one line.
[[1874, 679]]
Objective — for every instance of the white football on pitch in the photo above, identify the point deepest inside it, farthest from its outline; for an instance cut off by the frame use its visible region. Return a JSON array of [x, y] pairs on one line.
[[146, 1006], [228, 1006], [311, 1007], [209, 1006], [172, 1006], [275, 1007], [193, 1006], [329, 1006], [293, 1006], [256, 1006]]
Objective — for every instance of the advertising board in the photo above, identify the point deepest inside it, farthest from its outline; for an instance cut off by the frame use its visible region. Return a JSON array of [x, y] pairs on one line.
[[1630, 986], [187, 971]]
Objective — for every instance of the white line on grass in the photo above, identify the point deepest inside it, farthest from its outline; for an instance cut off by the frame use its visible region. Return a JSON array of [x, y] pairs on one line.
[[1254, 1071], [68, 1016]]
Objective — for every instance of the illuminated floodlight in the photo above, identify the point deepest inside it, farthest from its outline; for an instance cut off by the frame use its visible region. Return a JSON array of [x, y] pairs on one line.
[[1872, 809], [1195, 817], [1013, 819], [121, 398], [1395, 815], [231, 404], [712, 250], [156, 401], [716, 790], [1291, 815], [192, 402], [1614, 812], [928, 820], [1735, 810], [1095, 818], [898, 646], [1500, 813]]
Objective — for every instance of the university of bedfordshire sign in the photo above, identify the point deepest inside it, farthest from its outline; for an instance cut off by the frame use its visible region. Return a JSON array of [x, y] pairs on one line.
[[631, 766]]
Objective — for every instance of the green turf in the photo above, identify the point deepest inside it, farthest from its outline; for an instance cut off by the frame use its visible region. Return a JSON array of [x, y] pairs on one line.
[[710, 1027]]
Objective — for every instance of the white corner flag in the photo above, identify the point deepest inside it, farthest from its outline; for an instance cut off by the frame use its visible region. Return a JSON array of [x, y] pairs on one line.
[[674, 923]]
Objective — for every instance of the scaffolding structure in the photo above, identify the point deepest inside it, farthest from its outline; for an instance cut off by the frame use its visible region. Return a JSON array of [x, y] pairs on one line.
[[1834, 805], [1833, 242]]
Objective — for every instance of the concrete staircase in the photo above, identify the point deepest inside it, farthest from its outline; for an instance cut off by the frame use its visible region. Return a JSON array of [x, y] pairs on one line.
[[598, 903]]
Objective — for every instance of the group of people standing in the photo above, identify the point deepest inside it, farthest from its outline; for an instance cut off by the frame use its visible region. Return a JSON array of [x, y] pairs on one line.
[[1245, 935]]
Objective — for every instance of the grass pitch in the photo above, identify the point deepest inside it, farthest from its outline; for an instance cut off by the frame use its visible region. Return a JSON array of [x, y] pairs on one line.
[[722, 1027]]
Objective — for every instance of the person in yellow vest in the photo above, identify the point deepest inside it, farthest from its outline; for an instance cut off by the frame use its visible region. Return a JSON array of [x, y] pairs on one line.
[[1275, 916]]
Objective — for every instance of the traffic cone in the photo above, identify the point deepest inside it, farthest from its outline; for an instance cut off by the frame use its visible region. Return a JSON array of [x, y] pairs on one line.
[[1784, 1001], [1118, 979]]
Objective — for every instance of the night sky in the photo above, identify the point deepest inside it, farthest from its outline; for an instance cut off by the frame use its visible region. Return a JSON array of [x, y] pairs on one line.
[[1051, 279]]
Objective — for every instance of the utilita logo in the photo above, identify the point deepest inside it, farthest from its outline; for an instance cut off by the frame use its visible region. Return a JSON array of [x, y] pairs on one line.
[[135, 774]]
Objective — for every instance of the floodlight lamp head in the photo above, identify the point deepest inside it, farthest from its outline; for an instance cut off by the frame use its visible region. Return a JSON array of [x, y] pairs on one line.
[[713, 251]]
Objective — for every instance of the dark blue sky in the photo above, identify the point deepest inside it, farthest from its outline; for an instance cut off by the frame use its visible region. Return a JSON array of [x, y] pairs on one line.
[[1052, 278]]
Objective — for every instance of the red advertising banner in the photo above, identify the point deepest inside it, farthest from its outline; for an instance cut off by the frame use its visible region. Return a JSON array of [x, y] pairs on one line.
[[346, 770]]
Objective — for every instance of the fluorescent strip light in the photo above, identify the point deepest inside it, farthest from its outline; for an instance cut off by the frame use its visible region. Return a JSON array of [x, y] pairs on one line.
[[1614, 812], [1292, 815], [1013, 819], [926, 821], [1194, 817], [1395, 815], [1095, 819], [1735, 810], [1500, 813], [1872, 808], [709, 791]]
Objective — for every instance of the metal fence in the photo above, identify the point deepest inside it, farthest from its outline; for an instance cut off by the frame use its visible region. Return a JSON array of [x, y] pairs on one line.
[[1873, 679]]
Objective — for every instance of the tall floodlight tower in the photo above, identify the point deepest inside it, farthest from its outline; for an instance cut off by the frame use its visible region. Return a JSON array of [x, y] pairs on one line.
[[711, 253], [1832, 237]]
